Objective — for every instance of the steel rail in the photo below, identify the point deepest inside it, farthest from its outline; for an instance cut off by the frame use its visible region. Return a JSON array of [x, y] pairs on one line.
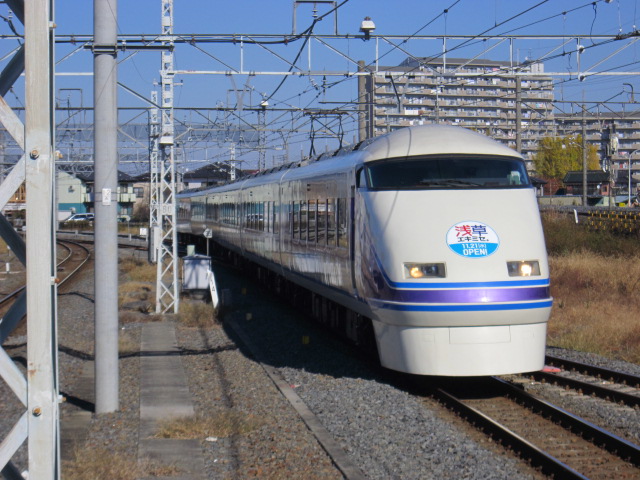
[[605, 373], [9, 296], [610, 442], [589, 388], [15, 293], [73, 272], [538, 457]]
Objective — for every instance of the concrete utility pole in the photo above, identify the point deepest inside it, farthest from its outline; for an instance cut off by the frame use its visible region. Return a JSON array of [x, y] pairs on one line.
[[362, 103], [584, 157], [518, 114], [106, 204]]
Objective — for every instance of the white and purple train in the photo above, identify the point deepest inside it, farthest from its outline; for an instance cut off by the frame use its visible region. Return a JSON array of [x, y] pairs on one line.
[[428, 237]]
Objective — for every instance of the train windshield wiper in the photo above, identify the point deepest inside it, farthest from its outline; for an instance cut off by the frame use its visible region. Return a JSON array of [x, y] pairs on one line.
[[450, 182]]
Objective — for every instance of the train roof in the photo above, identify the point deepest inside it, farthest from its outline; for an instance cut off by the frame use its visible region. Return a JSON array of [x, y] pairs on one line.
[[432, 140], [409, 141]]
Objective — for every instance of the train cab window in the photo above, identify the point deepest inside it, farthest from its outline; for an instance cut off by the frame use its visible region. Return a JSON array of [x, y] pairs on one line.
[[448, 172]]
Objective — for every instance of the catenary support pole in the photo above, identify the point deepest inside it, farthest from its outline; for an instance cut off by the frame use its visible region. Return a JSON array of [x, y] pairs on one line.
[[106, 201], [518, 114], [362, 103], [42, 413], [584, 157]]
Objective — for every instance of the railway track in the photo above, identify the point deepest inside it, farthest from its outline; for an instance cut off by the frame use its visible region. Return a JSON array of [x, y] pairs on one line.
[[559, 443], [588, 379], [74, 256]]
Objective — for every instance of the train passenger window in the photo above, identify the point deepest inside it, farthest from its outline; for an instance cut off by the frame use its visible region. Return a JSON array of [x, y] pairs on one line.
[[294, 221], [303, 221], [273, 220], [322, 222], [312, 220], [342, 226], [331, 221], [245, 217]]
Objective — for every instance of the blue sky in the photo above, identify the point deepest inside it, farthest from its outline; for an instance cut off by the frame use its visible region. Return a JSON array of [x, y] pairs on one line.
[[139, 70]]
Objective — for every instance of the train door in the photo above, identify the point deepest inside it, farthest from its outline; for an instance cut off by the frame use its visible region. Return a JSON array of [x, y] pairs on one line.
[[352, 237], [357, 235]]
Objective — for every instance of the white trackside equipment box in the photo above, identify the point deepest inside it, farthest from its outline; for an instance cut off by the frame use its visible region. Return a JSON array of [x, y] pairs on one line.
[[195, 269]]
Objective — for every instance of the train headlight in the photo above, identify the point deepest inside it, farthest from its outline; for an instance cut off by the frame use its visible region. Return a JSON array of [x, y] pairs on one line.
[[424, 270], [526, 268]]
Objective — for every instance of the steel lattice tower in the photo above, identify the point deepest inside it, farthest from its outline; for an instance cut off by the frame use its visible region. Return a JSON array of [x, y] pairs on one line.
[[166, 238]]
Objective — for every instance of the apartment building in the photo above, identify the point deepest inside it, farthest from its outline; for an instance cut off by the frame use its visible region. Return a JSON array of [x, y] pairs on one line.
[[473, 93]]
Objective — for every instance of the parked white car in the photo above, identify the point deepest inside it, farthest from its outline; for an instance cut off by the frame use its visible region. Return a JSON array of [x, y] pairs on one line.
[[80, 217]]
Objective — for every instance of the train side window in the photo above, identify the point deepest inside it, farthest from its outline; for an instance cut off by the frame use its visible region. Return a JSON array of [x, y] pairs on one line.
[[341, 222], [312, 221], [254, 215], [273, 220], [272, 207], [303, 221], [294, 215], [322, 222], [331, 221]]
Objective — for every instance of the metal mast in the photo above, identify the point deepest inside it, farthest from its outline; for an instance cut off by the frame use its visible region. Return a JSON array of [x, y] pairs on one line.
[[154, 180], [167, 248], [38, 391]]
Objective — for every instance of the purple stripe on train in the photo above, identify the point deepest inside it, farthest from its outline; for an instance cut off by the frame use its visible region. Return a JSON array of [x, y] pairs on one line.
[[480, 295]]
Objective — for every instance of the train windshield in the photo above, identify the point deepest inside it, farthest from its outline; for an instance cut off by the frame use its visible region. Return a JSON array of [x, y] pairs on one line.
[[447, 172]]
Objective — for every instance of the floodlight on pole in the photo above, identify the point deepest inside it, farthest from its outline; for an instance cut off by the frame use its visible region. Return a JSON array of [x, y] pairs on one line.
[[367, 26]]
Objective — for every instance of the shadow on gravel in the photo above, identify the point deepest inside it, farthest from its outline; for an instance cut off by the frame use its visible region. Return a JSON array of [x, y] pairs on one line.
[[179, 353], [285, 336], [165, 353], [78, 294], [79, 402]]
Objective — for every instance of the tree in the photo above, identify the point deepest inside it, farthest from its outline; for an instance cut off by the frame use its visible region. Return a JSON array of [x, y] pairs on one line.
[[558, 155]]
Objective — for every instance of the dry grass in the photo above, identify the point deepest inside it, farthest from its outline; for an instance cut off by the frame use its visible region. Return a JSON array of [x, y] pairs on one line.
[[138, 270], [102, 464], [138, 284], [220, 424], [127, 344], [3, 247], [563, 236], [196, 314], [134, 291], [596, 307], [129, 316]]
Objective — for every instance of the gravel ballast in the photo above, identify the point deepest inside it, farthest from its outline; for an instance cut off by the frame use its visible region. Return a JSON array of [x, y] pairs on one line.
[[387, 432]]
